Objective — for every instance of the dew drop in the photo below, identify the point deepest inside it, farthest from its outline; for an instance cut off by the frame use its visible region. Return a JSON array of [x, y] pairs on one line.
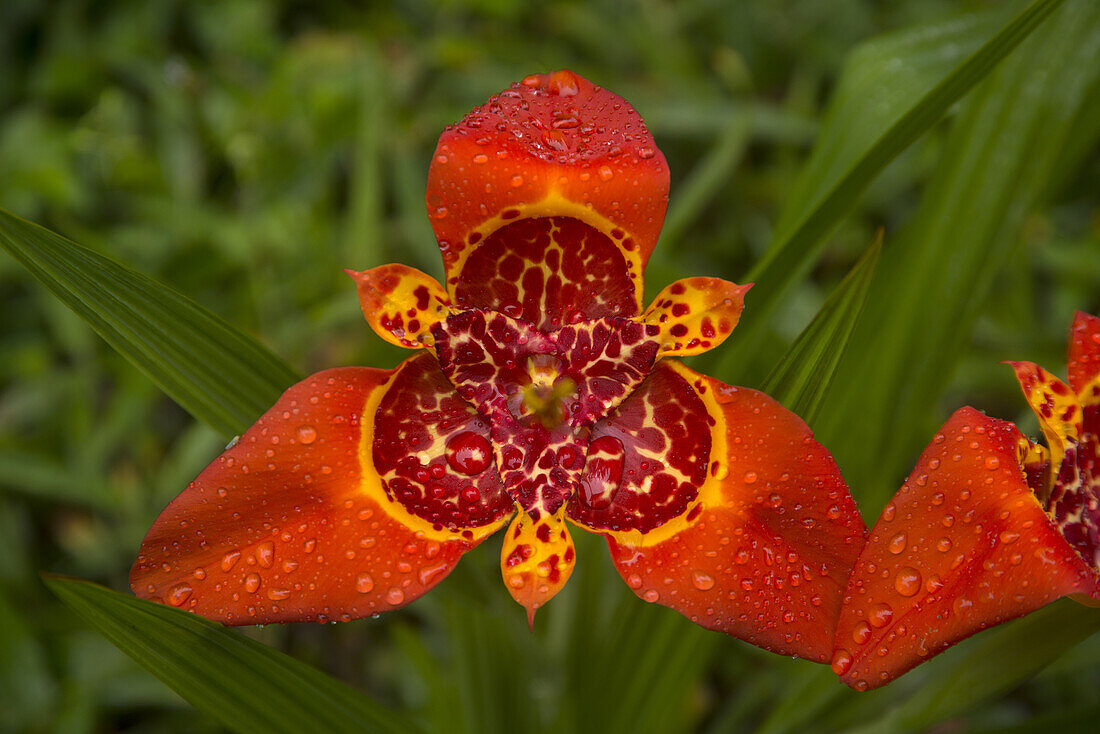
[[307, 434], [907, 581], [278, 594], [862, 632], [651, 595], [229, 560], [430, 574], [364, 584], [634, 581], [606, 173], [897, 543], [395, 596], [252, 583], [880, 615], [469, 453], [265, 553], [179, 594], [842, 661], [992, 462], [750, 477], [943, 544], [702, 581]]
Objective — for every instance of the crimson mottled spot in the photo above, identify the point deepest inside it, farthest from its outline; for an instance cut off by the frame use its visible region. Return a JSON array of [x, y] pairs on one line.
[[1075, 497], [416, 419], [519, 270], [665, 438]]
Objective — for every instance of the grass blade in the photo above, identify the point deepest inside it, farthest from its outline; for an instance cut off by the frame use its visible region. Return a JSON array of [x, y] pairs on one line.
[[244, 684], [791, 255], [217, 373], [802, 375]]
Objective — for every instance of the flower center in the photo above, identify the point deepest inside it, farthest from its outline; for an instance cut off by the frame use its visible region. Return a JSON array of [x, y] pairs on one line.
[[541, 392], [546, 400]]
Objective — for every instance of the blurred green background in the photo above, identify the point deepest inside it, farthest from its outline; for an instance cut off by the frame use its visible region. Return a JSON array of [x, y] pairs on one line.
[[244, 152]]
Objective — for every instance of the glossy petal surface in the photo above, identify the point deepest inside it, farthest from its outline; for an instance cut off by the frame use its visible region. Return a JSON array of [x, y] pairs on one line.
[[433, 451], [1084, 350], [962, 546], [552, 145], [292, 523], [549, 271], [696, 314], [401, 303], [764, 551]]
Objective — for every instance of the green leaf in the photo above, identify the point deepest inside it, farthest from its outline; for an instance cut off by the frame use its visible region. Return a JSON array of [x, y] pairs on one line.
[[801, 378], [242, 683], [217, 373], [936, 278], [796, 247]]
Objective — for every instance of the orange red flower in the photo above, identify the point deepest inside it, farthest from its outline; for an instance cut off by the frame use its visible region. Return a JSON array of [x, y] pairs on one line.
[[542, 395], [989, 526]]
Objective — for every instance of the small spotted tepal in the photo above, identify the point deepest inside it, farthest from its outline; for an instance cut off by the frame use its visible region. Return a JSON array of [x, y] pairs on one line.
[[542, 395]]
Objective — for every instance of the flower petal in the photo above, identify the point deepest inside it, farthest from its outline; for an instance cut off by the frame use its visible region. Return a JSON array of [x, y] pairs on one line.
[[401, 303], [696, 314], [763, 549], [536, 560], [962, 546], [1054, 404], [1084, 351], [292, 523], [555, 146]]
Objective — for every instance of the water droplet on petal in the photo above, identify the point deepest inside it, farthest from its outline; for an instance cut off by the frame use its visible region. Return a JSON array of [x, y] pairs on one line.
[[897, 543], [702, 581], [229, 560], [395, 596], [880, 615], [252, 583], [364, 584], [842, 661], [907, 581], [307, 434], [179, 594], [469, 453], [265, 553]]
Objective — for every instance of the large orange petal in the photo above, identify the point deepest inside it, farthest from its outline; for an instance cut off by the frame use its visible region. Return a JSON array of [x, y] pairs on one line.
[[1084, 350], [963, 545], [554, 145], [764, 550], [292, 523]]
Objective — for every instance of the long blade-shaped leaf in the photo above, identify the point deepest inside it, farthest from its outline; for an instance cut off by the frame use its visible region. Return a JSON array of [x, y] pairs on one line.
[[217, 373], [793, 254], [244, 684], [800, 378]]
